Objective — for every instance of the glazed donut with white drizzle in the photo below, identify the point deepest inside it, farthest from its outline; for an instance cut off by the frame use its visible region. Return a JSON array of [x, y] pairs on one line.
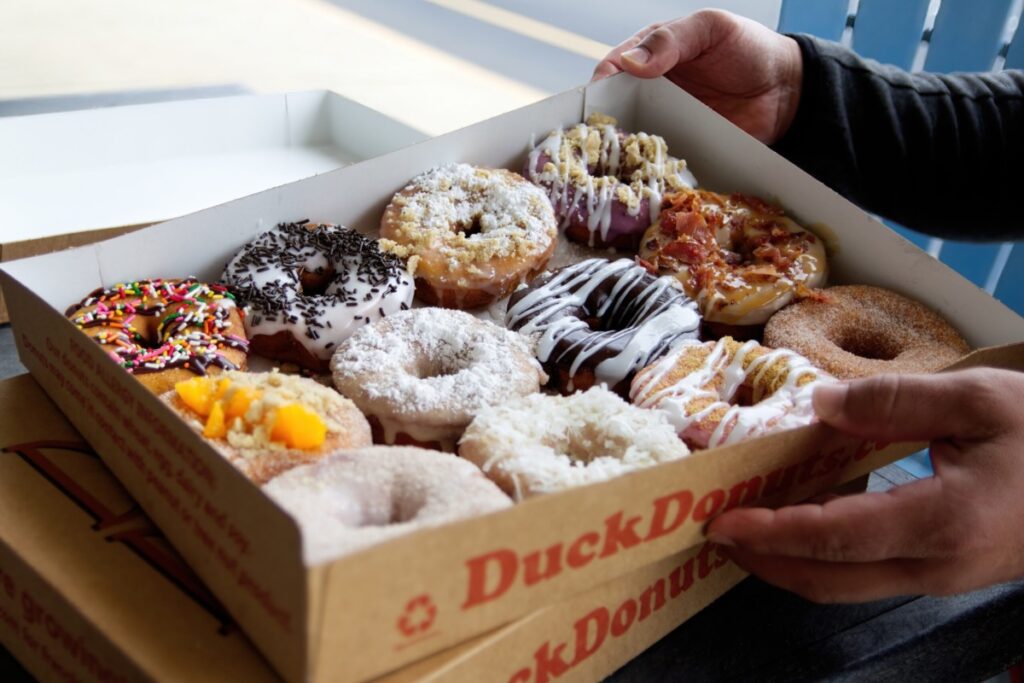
[[605, 184], [720, 393], [600, 321], [307, 287]]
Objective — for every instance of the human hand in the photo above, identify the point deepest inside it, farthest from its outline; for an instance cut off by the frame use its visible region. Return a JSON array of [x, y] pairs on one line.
[[749, 74], [956, 531]]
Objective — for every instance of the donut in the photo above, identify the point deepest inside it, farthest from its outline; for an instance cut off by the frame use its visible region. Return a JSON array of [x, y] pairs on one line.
[[599, 321], [719, 393], [741, 258], [605, 184], [164, 331], [471, 235], [857, 330], [266, 423], [539, 443], [307, 286], [421, 375], [359, 498]]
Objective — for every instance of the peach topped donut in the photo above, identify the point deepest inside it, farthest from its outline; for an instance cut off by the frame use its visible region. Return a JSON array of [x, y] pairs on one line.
[[718, 393], [471, 235], [858, 330], [356, 499], [421, 375], [265, 423], [539, 444], [599, 321], [741, 258], [165, 331], [308, 286], [605, 184]]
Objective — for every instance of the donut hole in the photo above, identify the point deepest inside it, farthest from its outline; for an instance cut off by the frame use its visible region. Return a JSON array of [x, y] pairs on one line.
[[430, 368], [586, 440], [315, 283], [476, 225], [869, 346]]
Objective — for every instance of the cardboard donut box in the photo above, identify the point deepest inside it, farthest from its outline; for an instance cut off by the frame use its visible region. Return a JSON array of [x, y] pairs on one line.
[[381, 609]]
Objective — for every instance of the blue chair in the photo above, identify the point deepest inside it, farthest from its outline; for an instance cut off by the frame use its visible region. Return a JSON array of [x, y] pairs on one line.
[[964, 35]]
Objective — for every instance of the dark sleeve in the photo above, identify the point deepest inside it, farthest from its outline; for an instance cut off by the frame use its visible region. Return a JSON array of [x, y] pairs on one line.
[[941, 154]]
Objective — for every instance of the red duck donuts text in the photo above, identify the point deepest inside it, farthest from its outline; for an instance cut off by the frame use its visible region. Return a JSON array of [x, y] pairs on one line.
[[492, 574], [590, 632]]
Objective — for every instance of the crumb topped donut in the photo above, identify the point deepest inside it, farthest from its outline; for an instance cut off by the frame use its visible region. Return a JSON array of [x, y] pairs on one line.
[[719, 393], [741, 258], [358, 498], [267, 422], [421, 375], [471, 235], [308, 286], [539, 444], [605, 184], [858, 330], [165, 331], [600, 321]]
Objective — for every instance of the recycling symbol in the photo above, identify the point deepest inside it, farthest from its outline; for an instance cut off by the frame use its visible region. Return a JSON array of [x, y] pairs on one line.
[[418, 616]]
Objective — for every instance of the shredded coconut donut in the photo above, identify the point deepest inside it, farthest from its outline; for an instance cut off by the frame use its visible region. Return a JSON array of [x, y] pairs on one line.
[[421, 375], [719, 393], [857, 330], [471, 235], [606, 184], [540, 444], [247, 441], [308, 286], [739, 257], [359, 498]]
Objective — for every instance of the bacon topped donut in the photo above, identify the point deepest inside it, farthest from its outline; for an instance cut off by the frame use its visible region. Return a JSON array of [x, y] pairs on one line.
[[605, 184], [741, 258], [600, 321]]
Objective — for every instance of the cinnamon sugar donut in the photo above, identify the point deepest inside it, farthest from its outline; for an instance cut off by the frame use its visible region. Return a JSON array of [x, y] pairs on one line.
[[857, 330], [719, 393], [471, 235], [268, 422], [539, 444], [358, 498], [421, 375]]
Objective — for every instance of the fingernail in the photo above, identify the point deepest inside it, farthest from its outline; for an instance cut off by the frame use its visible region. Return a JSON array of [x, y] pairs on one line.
[[828, 400], [638, 55], [719, 539]]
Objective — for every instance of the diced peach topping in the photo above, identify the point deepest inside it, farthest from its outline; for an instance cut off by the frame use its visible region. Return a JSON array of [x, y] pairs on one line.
[[296, 426], [239, 402], [197, 393], [216, 428]]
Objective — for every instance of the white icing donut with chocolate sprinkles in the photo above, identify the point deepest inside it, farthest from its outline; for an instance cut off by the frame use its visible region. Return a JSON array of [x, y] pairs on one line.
[[599, 321], [307, 287]]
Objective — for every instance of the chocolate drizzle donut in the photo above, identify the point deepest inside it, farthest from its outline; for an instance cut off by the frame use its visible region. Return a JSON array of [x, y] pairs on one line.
[[307, 287], [600, 321]]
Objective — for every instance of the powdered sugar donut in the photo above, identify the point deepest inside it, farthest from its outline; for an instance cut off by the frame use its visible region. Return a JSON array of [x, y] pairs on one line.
[[538, 443], [421, 375], [471, 235], [718, 393], [605, 184], [307, 286], [358, 498]]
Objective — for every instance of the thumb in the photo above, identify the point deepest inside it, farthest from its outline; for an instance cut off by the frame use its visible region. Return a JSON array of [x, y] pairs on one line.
[[674, 43], [904, 407]]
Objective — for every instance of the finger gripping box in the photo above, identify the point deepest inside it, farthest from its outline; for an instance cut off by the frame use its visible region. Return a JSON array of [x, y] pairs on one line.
[[377, 610]]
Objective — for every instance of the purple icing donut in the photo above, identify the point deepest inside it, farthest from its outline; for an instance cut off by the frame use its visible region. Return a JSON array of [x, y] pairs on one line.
[[605, 184]]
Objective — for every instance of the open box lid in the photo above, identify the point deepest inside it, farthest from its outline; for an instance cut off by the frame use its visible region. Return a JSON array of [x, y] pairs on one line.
[[79, 171]]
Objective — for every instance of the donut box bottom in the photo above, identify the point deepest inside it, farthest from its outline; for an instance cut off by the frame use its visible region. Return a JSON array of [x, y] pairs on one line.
[[354, 618], [91, 591]]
